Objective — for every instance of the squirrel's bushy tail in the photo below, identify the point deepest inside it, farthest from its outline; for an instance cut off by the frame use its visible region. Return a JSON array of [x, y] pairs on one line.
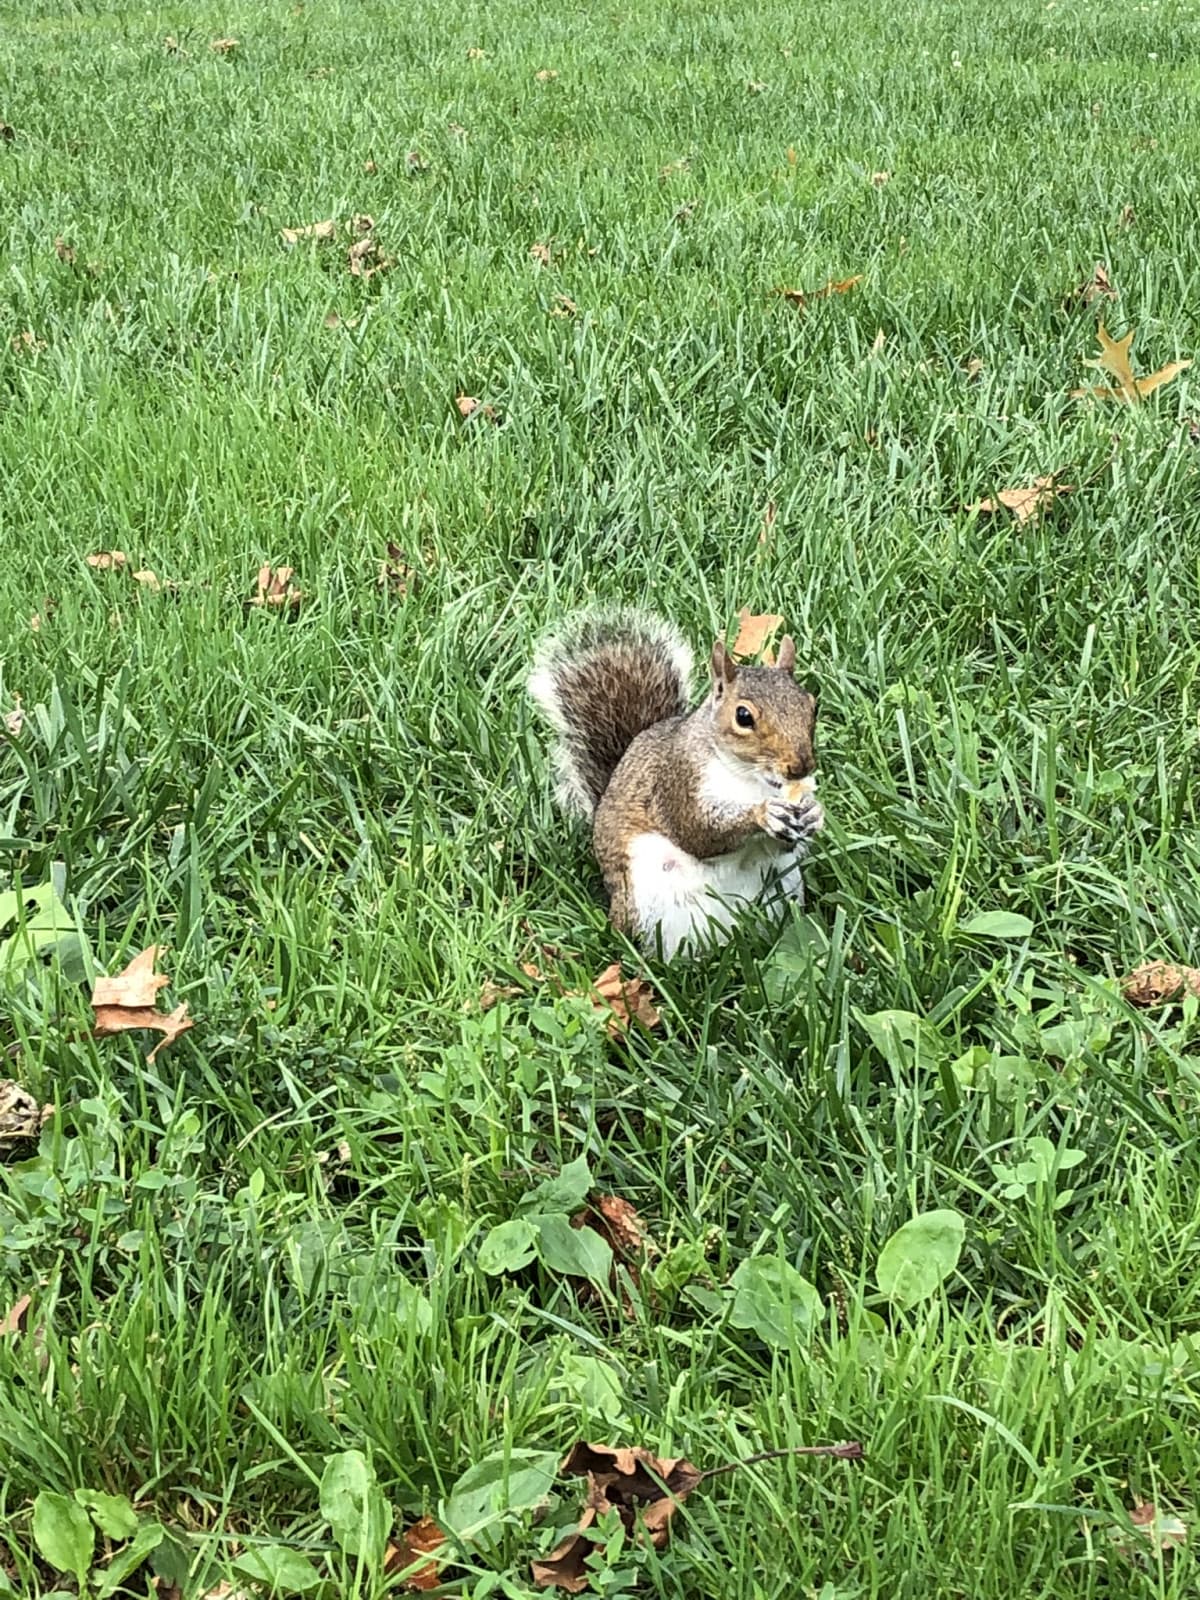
[[601, 681]]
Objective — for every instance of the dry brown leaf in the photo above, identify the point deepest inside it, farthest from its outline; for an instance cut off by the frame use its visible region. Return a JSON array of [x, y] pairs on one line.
[[878, 342], [1026, 505], [1127, 218], [545, 75], [415, 163], [149, 579], [424, 1538], [457, 129], [27, 343], [755, 86], [1155, 983], [541, 254], [469, 407], [274, 587], [616, 1221], [973, 367], [474, 53], [753, 633], [63, 251], [370, 168], [106, 560], [1114, 359], [1097, 287], [625, 998], [14, 720], [126, 1002], [880, 178], [309, 230], [224, 47], [1164, 1531], [672, 167], [492, 993], [365, 259], [21, 1117], [395, 574], [803, 297], [13, 1320], [563, 306], [138, 985]]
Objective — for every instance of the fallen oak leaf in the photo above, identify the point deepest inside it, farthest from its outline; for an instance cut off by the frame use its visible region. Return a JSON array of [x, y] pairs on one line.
[[1156, 983], [753, 633], [625, 998], [126, 1002], [803, 297], [422, 1540], [1114, 359], [1028, 504]]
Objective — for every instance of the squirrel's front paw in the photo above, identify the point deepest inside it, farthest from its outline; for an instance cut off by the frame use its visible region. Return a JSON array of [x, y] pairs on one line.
[[795, 821]]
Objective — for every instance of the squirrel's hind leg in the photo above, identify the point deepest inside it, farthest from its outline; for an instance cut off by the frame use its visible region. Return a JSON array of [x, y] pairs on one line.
[[662, 895]]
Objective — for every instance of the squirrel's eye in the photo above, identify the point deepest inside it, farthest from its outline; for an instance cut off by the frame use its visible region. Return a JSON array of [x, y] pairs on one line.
[[744, 717]]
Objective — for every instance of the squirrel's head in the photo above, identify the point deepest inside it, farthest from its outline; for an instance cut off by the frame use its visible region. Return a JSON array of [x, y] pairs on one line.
[[762, 715]]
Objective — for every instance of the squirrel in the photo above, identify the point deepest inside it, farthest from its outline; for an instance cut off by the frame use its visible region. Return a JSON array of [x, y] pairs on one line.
[[695, 813]]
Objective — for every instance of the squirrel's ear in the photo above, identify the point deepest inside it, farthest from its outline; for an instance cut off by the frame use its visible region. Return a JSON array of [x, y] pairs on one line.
[[723, 668], [786, 659]]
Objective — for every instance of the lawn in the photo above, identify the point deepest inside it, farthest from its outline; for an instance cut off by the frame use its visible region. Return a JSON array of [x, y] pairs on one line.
[[274, 1246]]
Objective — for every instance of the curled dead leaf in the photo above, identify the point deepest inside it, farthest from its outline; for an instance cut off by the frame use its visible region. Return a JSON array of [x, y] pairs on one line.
[[545, 75], [224, 47], [563, 306], [474, 53], [753, 633], [627, 999], [1097, 287], [803, 297], [64, 251], [765, 532], [370, 168], [13, 1321], [1156, 983], [1161, 1528], [106, 560], [1026, 505], [880, 178], [14, 720], [540, 253], [365, 259], [1127, 218], [21, 1117], [423, 1539], [395, 574], [469, 407], [274, 587], [27, 343], [616, 1221]]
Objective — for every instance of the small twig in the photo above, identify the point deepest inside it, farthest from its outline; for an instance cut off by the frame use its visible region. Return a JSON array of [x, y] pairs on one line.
[[850, 1451]]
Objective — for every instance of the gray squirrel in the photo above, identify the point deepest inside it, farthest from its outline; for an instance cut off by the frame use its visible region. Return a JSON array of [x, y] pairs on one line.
[[695, 813]]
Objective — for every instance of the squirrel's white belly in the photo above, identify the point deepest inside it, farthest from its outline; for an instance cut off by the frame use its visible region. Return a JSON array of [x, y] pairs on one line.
[[677, 898]]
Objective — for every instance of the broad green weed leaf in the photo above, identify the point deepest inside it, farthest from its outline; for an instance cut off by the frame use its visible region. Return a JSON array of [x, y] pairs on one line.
[[774, 1300], [148, 1539], [354, 1507], [790, 961], [37, 919], [919, 1255], [111, 1513], [566, 1192], [495, 1488], [903, 1038], [576, 1252], [284, 1570], [998, 925], [508, 1247], [597, 1386], [63, 1533]]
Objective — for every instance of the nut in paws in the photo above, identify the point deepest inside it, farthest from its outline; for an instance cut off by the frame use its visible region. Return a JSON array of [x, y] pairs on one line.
[[795, 821]]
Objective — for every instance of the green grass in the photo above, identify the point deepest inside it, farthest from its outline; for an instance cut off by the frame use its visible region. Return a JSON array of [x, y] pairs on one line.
[[339, 820]]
